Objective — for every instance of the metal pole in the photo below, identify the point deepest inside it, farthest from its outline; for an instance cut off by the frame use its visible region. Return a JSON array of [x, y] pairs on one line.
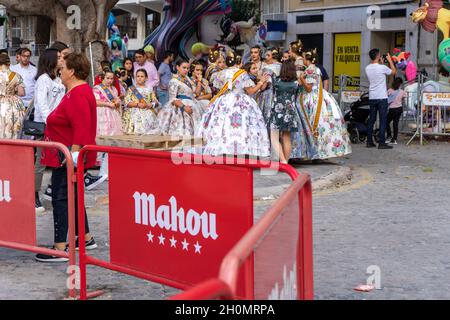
[[92, 63], [419, 92]]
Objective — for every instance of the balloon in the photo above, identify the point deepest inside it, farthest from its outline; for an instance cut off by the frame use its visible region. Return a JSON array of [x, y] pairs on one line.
[[444, 54], [411, 71]]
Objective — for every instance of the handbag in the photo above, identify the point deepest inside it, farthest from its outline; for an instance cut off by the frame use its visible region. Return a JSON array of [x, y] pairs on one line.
[[30, 127]]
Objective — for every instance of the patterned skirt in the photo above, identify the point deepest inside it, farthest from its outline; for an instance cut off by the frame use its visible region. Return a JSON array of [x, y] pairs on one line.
[[109, 122], [12, 113], [140, 121], [174, 122], [234, 125]]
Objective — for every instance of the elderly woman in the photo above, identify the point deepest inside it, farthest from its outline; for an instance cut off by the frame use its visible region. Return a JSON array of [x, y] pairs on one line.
[[12, 110], [74, 124]]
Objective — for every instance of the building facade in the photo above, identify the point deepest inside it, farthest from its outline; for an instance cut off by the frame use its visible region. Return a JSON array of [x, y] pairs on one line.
[[344, 31], [137, 19]]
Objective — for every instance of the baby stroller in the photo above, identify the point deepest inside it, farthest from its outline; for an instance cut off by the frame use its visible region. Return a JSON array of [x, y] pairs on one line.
[[357, 119]]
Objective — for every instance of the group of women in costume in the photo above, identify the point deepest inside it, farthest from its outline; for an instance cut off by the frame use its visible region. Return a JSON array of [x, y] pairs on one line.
[[274, 108], [277, 109]]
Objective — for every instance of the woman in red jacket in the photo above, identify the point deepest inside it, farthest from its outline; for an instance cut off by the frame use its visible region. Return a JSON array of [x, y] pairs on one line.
[[74, 124]]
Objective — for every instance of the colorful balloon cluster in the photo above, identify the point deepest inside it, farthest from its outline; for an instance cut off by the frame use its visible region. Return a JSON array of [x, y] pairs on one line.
[[402, 62]]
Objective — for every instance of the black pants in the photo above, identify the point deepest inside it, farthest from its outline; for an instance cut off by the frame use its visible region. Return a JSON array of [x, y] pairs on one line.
[[61, 206], [394, 115], [380, 106]]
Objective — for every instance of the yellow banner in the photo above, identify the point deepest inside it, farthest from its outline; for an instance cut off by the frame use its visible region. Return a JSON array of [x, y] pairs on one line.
[[347, 59]]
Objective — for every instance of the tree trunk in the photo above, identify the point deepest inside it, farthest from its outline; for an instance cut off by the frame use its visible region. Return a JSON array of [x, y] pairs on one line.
[[93, 17]]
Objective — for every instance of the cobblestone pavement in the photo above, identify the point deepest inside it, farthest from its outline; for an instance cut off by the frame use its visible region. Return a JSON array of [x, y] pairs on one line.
[[392, 214]]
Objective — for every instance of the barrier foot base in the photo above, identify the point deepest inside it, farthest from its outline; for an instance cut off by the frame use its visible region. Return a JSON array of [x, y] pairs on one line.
[[95, 294]]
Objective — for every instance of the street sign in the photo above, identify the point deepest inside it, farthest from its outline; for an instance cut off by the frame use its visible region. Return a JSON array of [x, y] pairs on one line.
[[350, 96], [436, 99]]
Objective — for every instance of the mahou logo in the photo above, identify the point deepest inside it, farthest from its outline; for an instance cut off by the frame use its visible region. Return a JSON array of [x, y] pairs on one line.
[[172, 218], [4, 191]]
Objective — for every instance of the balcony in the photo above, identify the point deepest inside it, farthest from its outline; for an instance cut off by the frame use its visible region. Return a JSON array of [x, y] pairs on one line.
[[134, 6]]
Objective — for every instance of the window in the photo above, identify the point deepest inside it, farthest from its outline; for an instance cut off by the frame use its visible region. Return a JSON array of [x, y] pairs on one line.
[[152, 21], [310, 19], [273, 6], [394, 13], [16, 30], [127, 23]]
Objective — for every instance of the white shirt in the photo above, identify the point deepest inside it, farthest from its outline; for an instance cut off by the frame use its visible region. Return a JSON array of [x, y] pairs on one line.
[[28, 73], [376, 73], [49, 94]]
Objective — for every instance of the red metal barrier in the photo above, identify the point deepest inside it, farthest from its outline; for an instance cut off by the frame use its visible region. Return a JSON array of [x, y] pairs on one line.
[[209, 290], [142, 200], [283, 262], [17, 206]]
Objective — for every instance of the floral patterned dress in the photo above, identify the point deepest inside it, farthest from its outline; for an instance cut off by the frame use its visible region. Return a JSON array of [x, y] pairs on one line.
[[233, 123], [173, 120], [136, 120], [283, 115], [109, 121], [330, 133], [265, 98], [12, 110]]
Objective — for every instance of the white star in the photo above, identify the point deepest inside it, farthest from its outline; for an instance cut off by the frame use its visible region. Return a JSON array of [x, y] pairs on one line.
[[150, 236], [173, 242], [185, 245], [197, 247], [161, 239]]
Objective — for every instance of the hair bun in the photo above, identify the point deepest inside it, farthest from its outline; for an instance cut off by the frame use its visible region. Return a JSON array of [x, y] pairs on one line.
[[230, 59]]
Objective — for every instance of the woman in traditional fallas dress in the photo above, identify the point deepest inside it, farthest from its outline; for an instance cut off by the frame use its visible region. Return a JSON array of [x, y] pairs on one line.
[[182, 114], [272, 68], [140, 115], [324, 116], [12, 110], [233, 123]]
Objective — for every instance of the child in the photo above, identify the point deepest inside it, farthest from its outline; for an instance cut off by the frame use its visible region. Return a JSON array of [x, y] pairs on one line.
[[182, 114], [202, 90], [109, 122], [395, 100], [140, 116]]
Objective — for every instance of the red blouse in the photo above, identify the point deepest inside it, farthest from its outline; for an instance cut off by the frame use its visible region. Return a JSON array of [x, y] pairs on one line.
[[73, 122]]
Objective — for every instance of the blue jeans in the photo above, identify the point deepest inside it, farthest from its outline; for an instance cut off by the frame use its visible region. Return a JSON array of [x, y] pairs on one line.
[[380, 106], [163, 96]]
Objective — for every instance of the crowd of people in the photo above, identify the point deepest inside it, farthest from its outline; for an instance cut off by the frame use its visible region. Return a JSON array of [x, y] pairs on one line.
[[274, 106]]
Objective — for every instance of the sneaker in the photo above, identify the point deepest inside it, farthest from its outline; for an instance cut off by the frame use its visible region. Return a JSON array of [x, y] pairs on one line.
[[393, 141], [385, 146], [48, 193], [371, 145], [50, 259], [90, 245], [90, 182], [39, 207]]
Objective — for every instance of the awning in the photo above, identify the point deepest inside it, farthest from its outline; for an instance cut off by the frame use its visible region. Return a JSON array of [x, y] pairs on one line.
[[276, 26], [276, 36]]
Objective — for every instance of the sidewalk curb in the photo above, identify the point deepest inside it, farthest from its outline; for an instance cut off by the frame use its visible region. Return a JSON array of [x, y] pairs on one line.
[[335, 178]]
